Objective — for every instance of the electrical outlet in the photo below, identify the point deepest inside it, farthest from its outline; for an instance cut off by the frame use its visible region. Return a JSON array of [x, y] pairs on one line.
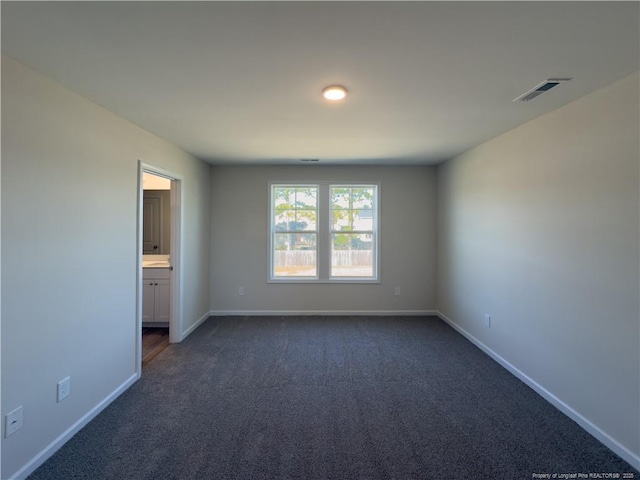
[[241, 291], [487, 320], [13, 421], [64, 388], [396, 292]]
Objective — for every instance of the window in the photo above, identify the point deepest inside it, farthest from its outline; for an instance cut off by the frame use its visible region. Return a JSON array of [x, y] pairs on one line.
[[323, 232], [294, 231], [352, 233]]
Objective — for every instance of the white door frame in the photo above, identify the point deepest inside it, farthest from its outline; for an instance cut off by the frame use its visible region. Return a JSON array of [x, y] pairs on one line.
[[175, 322]]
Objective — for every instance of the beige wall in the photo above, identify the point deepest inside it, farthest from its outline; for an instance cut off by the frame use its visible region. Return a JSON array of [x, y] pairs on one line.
[[539, 228], [239, 240], [69, 209]]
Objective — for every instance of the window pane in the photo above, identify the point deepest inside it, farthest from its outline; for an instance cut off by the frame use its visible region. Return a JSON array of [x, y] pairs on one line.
[[283, 198], [351, 255], [306, 198], [363, 220], [296, 221], [352, 197], [341, 220], [295, 208], [362, 197], [284, 219], [340, 197], [306, 220], [294, 255], [352, 208]]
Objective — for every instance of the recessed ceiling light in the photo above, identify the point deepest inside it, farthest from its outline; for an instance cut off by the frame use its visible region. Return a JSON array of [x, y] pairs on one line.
[[334, 93]]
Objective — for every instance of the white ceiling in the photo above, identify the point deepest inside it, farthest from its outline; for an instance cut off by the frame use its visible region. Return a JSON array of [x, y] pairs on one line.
[[240, 81]]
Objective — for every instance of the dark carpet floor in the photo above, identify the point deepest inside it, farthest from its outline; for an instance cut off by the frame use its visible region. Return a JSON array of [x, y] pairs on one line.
[[328, 398]]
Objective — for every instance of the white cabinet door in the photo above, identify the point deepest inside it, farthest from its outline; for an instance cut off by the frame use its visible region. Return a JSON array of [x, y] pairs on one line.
[[148, 300], [162, 300], [156, 296]]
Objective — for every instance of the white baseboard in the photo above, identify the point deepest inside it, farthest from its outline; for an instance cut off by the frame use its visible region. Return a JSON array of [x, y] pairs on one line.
[[265, 313], [54, 446], [627, 455], [190, 330]]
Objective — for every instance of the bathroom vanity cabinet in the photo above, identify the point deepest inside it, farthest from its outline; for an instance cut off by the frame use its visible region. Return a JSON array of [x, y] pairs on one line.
[[156, 296]]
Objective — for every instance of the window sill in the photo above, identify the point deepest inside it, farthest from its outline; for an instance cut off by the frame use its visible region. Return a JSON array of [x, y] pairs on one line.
[[340, 281]]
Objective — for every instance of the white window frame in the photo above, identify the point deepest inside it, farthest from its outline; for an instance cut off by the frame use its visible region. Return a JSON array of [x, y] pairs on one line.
[[323, 231]]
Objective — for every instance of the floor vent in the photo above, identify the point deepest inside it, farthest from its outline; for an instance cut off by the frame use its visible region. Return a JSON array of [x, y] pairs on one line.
[[541, 88]]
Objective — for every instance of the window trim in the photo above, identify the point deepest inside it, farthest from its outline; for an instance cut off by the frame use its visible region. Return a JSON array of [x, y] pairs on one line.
[[323, 232]]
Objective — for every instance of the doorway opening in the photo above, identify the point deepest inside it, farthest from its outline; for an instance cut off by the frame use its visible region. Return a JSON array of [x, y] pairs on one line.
[[159, 227]]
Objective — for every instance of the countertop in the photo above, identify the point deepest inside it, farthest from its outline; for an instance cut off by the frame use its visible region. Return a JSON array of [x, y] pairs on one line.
[[156, 261]]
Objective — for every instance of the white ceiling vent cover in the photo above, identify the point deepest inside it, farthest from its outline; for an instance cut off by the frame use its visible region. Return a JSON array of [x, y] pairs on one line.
[[541, 88]]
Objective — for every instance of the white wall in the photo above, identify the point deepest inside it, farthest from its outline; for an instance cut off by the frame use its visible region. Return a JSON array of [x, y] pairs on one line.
[[69, 206], [240, 232], [540, 228]]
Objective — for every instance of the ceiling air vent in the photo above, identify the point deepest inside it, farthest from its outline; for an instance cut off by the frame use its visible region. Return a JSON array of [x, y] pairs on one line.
[[541, 88], [309, 159]]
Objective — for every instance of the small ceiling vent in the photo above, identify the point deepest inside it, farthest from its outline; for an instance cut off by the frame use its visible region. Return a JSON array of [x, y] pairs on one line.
[[309, 159], [541, 88]]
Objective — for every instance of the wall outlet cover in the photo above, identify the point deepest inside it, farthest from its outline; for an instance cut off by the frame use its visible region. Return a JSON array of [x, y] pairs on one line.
[[13, 421], [64, 388]]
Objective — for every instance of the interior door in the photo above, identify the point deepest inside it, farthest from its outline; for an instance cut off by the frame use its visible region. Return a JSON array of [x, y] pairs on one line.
[[151, 225]]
